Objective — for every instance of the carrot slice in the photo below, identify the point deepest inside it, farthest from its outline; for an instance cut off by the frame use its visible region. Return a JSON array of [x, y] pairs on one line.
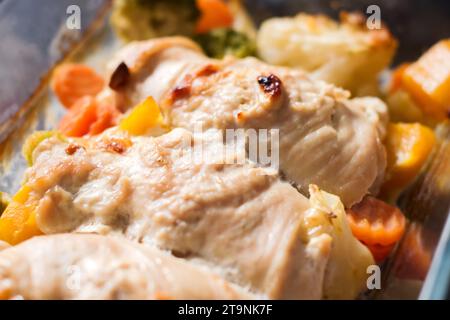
[[106, 117], [380, 252], [78, 120], [88, 117], [415, 259], [214, 14], [375, 222], [73, 81]]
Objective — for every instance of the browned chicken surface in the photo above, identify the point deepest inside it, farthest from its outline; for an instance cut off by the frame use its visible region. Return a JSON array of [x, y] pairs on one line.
[[238, 219], [325, 138], [71, 266]]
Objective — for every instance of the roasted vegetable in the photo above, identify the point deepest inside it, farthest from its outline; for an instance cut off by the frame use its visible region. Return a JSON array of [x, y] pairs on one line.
[[220, 42], [145, 19], [402, 108], [380, 252], [376, 224], [77, 121], [242, 22], [71, 82], [346, 54], [87, 116], [348, 257], [106, 116], [18, 221], [408, 146], [396, 80], [417, 253], [428, 80], [34, 140], [142, 118], [214, 14]]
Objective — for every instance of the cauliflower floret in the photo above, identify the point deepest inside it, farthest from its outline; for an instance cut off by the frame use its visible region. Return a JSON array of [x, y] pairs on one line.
[[349, 258], [346, 54]]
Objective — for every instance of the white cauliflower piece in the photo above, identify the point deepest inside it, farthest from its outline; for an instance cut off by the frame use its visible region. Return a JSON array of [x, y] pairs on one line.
[[349, 258], [346, 54]]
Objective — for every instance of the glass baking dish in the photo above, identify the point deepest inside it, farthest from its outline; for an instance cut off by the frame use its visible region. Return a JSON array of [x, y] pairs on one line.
[[26, 105]]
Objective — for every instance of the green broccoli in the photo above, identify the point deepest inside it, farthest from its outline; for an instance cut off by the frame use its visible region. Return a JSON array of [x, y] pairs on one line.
[[219, 42], [145, 19]]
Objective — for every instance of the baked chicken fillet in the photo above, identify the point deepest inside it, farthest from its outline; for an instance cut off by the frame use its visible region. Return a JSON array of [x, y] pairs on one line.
[[75, 266], [233, 217], [325, 138]]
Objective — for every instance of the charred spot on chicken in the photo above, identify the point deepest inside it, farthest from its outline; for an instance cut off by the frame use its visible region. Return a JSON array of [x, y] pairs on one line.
[[119, 77], [270, 85]]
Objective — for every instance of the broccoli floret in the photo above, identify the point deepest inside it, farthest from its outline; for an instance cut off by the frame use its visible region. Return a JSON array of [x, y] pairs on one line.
[[219, 42], [145, 19]]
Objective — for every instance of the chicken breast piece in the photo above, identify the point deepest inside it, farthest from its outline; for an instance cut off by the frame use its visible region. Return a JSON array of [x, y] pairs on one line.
[[234, 217], [324, 138], [75, 266]]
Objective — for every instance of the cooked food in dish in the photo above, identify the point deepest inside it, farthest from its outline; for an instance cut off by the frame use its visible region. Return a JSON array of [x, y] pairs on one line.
[[225, 41], [72, 266], [220, 28], [143, 19], [423, 87], [325, 138], [241, 220], [139, 189], [347, 54]]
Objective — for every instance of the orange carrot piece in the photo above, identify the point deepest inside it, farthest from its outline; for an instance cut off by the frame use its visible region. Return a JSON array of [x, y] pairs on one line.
[[415, 258], [428, 80], [380, 252], [73, 81], [375, 222], [106, 117], [408, 147], [397, 76], [79, 118], [214, 14], [88, 117]]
